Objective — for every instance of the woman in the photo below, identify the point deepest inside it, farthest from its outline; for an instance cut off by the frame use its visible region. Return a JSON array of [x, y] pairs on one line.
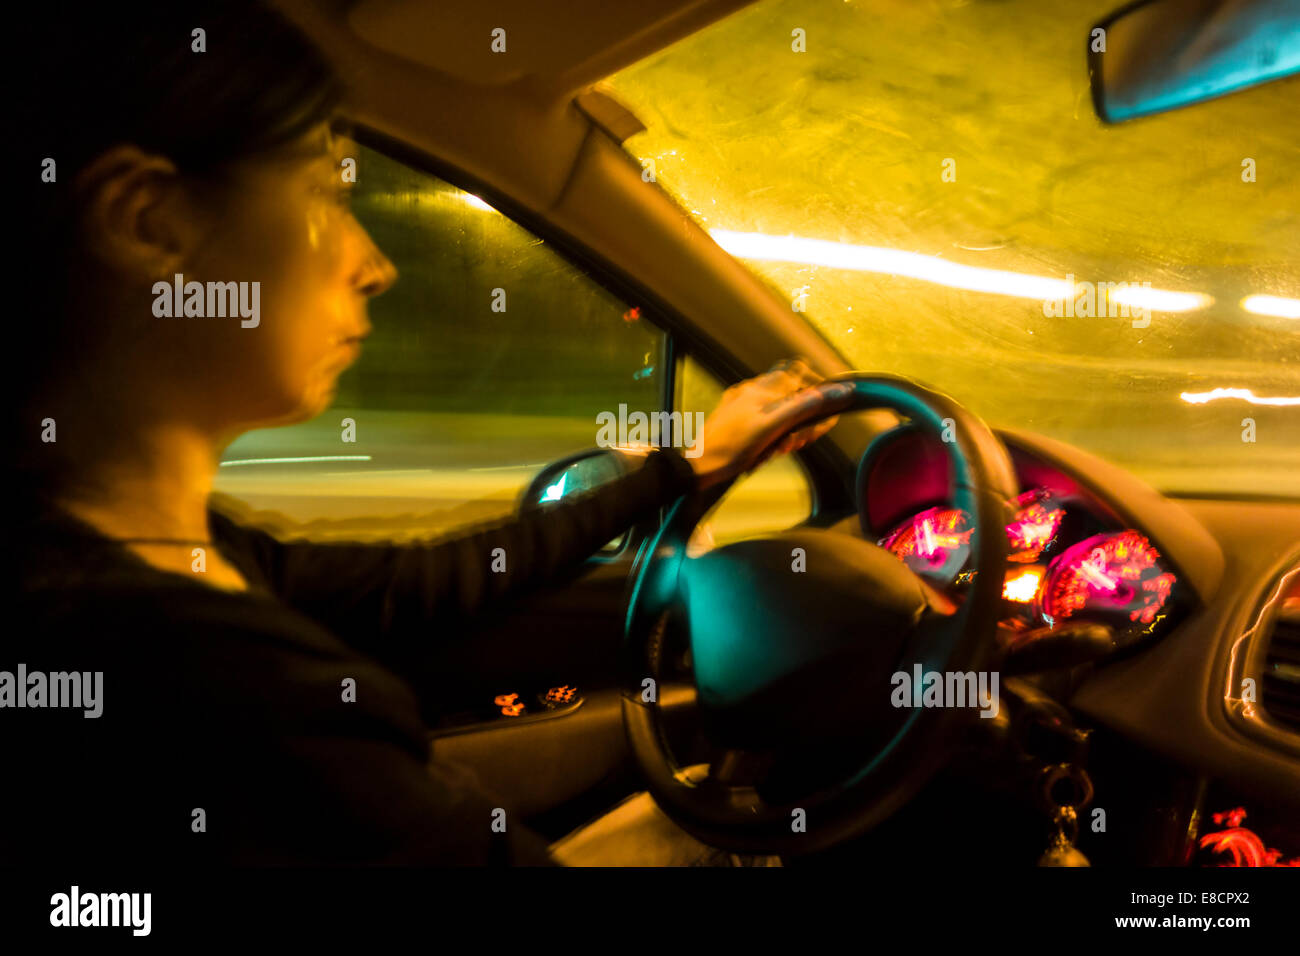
[[256, 708]]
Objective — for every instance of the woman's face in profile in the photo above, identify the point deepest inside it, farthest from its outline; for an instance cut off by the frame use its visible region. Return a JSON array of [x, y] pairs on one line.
[[285, 222]]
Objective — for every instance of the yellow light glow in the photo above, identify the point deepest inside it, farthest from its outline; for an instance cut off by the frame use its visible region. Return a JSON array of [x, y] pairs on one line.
[[1276, 305], [470, 199], [1023, 586], [1245, 394]]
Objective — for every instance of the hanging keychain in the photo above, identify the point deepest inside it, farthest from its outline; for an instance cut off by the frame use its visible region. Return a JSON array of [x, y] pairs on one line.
[[1061, 850]]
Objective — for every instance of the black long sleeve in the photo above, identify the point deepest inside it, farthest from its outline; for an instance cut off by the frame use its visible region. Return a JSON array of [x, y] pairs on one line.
[[249, 711]]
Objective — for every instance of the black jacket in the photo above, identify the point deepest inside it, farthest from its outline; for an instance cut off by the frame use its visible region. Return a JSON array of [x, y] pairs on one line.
[[232, 703]]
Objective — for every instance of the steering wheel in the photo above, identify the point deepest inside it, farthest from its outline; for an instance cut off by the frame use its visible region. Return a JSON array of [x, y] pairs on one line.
[[798, 644]]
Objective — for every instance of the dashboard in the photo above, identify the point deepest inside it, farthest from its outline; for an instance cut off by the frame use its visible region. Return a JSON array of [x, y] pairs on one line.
[[1207, 589]]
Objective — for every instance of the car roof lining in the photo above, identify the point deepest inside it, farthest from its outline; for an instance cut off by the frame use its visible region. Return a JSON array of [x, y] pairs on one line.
[[555, 54]]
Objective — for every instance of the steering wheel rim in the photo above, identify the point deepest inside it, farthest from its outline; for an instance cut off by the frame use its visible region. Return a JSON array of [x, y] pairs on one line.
[[736, 816]]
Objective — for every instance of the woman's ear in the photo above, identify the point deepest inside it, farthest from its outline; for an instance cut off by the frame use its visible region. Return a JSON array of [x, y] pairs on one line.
[[134, 216]]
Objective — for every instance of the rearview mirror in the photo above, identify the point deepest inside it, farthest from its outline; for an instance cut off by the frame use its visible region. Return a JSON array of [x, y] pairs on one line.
[[1158, 55]]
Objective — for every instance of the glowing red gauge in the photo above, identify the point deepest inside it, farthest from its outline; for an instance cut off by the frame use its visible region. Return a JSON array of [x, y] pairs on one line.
[[935, 543], [1113, 575], [1034, 527]]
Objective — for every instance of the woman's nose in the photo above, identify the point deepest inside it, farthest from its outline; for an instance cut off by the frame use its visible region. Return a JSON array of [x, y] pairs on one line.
[[378, 274]]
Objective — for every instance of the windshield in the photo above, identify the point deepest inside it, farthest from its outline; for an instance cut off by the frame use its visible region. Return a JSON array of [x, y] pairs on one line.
[[928, 182]]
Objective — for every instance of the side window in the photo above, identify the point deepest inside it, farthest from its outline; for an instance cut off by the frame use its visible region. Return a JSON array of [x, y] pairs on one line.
[[772, 498], [490, 357]]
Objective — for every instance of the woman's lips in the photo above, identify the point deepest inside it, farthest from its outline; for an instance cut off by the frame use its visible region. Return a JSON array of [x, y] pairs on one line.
[[349, 350], [351, 343]]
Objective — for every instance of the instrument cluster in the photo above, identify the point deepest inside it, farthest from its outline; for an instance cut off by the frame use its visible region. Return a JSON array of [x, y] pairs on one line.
[[1063, 563]]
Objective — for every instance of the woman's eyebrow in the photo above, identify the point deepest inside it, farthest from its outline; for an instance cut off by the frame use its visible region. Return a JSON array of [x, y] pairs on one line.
[[320, 146]]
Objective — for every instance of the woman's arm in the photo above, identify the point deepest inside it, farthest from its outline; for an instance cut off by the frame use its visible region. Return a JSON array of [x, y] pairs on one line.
[[380, 598]]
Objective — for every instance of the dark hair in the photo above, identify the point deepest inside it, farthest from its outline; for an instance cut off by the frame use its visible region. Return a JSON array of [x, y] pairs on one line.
[[128, 72]]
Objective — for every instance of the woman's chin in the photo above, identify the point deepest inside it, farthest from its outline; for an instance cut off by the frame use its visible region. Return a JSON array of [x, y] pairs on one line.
[[308, 406], [317, 404]]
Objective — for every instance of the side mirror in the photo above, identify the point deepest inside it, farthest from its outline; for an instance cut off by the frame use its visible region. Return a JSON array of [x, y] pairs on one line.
[[573, 475], [1158, 55]]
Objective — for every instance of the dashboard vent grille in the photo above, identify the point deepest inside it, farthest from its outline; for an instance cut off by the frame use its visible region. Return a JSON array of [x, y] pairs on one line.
[[1280, 690]]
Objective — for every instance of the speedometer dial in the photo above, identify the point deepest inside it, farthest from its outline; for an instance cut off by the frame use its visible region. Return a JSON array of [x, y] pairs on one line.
[[934, 543], [1114, 576]]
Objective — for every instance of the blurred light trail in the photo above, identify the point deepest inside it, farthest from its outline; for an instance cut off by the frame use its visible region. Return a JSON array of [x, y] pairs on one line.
[[914, 265], [839, 255], [293, 461], [1160, 300], [1245, 394], [1272, 305]]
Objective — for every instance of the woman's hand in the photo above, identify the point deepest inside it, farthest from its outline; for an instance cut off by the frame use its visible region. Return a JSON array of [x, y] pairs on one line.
[[741, 433]]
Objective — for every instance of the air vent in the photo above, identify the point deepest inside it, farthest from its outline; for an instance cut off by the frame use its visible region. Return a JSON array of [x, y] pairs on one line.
[[1261, 696], [1280, 687]]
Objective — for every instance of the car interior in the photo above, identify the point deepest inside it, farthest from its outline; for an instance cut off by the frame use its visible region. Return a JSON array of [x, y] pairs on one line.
[[1144, 632]]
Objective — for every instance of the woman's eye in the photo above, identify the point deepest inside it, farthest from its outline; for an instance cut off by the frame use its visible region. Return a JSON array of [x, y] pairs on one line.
[[338, 194]]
